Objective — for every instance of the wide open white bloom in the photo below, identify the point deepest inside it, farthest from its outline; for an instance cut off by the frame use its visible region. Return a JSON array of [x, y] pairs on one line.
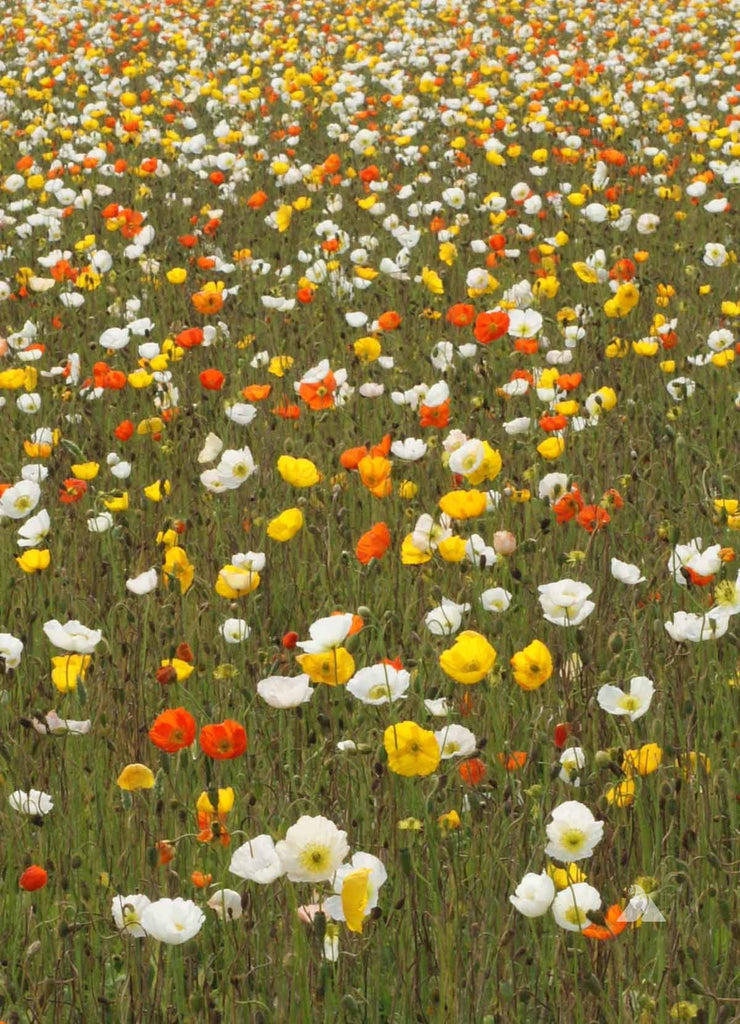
[[379, 684], [573, 832], [565, 602], [172, 921], [635, 703], [571, 907], [313, 849]]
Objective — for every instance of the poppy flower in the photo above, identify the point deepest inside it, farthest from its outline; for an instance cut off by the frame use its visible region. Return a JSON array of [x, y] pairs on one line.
[[287, 411], [124, 431], [491, 326], [72, 490], [212, 380], [173, 730], [389, 321], [462, 314], [256, 392], [224, 740], [319, 395], [257, 199], [435, 415], [613, 925], [33, 878], [189, 338], [552, 423], [569, 381], [207, 302], [562, 732], [568, 507], [472, 771], [184, 651], [373, 544], [592, 517], [290, 640], [513, 761]]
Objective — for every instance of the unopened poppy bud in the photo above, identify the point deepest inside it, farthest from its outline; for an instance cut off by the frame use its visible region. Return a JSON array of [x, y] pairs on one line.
[[504, 542], [616, 643], [364, 612]]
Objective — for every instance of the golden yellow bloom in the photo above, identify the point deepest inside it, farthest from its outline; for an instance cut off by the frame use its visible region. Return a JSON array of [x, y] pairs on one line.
[[623, 794], [367, 349], [34, 560], [551, 448], [135, 776], [355, 898], [157, 490], [183, 669], [532, 666], [177, 275], [298, 472], [644, 761], [565, 877], [411, 750], [411, 555], [68, 669], [285, 526], [177, 566], [85, 470], [279, 364], [334, 668], [470, 658], [463, 504]]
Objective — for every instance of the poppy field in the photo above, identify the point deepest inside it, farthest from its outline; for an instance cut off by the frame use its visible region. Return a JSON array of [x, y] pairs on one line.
[[369, 511]]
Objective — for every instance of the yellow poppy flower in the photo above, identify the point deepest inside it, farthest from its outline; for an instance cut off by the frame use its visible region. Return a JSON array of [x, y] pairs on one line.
[[470, 658], [411, 750], [333, 668]]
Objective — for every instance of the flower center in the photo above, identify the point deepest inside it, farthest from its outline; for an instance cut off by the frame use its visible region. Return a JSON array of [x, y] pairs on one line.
[[378, 691], [629, 703], [573, 839], [315, 858], [574, 915]]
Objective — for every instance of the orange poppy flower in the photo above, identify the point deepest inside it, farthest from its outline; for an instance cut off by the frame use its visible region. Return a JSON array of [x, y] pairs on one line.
[[33, 878], [528, 346], [256, 392], [173, 730], [592, 517], [319, 395], [373, 544], [375, 472], [257, 199], [462, 314], [692, 576], [389, 321], [568, 507], [472, 771], [206, 262], [435, 415], [201, 880], [188, 241], [166, 851], [513, 761], [207, 303], [610, 929], [224, 740], [569, 381], [369, 173], [551, 423], [72, 490], [287, 411], [124, 431], [491, 326], [437, 224], [351, 457], [305, 295], [212, 380], [189, 338], [497, 242]]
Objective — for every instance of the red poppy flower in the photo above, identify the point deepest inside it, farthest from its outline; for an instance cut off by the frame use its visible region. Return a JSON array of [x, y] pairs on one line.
[[290, 640], [173, 730], [287, 411], [184, 651], [491, 326], [190, 337], [33, 878], [223, 740], [569, 381], [72, 490], [552, 423], [212, 380], [124, 431], [165, 675], [562, 732]]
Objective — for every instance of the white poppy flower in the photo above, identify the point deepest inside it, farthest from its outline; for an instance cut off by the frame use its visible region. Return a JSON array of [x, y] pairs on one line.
[[634, 704], [172, 921], [534, 894], [573, 833], [285, 691], [313, 849]]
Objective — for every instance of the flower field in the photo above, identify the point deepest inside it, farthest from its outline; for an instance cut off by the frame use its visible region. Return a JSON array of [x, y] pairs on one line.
[[369, 511]]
